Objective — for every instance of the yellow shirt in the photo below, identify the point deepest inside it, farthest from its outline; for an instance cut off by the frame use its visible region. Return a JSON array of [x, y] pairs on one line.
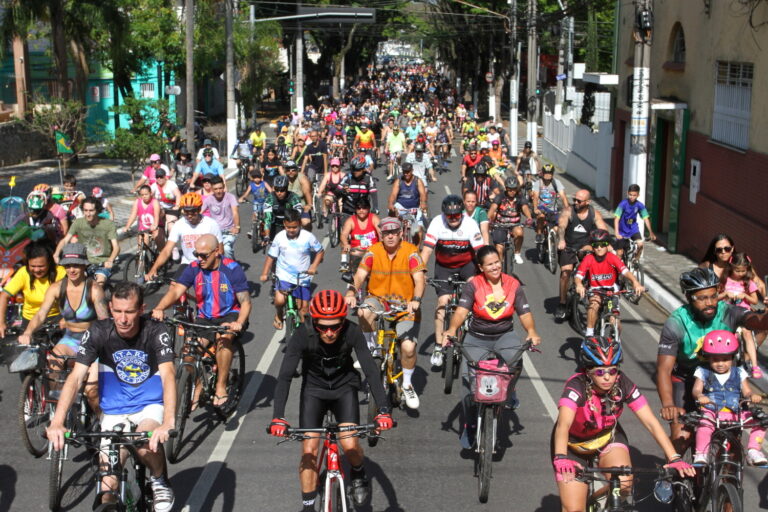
[[258, 140], [33, 297]]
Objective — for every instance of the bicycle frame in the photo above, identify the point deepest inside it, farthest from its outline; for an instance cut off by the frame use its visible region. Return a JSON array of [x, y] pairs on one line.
[[331, 455]]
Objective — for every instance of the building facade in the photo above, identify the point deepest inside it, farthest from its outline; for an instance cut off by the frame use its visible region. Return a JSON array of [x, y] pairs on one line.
[[707, 147]]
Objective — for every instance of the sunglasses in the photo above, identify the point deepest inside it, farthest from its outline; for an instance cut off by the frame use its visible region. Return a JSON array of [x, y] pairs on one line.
[[362, 207], [325, 329], [579, 200], [453, 216], [600, 372], [390, 232], [600, 244], [281, 190], [721, 250], [202, 255]]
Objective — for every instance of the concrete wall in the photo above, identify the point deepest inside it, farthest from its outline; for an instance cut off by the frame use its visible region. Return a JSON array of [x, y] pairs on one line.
[[582, 153], [18, 145]]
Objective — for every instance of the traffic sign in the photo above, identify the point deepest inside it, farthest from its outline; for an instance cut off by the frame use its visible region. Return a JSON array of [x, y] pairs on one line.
[[489, 77], [561, 76]]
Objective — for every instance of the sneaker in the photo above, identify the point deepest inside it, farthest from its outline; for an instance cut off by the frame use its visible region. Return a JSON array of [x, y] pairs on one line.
[[360, 489], [518, 258], [356, 365], [560, 312], [162, 494], [756, 457], [411, 398], [249, 234], [700, 458], [437, 357]]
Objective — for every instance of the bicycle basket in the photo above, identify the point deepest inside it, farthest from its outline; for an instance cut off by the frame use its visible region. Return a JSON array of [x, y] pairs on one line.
[[491, 382]]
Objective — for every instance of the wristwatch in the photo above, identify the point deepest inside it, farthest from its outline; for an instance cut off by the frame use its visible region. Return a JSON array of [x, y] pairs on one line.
[[416, 299], [384, 410]]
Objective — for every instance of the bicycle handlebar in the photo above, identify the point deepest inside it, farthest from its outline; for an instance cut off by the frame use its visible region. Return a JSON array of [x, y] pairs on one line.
[[394, 309], [597, 473], [198, 327]]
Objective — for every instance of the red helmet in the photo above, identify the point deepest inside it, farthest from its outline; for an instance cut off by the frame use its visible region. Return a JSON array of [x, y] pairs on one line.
[[720, 343], [327, 305]]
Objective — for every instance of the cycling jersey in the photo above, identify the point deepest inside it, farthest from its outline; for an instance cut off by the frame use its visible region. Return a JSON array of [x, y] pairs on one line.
[[184, 232], [365, 139], [216, 289], [490, 317], [243, 149], [602, 412], [453, 248], [362, 237], [601, 274], [33, 297], [274, 209], [627, 213], [128, 368], [483, 189], [364, 186]]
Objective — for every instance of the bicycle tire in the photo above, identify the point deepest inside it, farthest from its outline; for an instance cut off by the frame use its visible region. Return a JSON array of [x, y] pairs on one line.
[[509, 259], [449, 359], [290, 324], [236, 377], [256, 234], [727, 498], [335, 501], [135, 499], [578, 317], [107, 507], [372, 410], [55, 474], [485, 456], [552, 250], [242, 182], [333, 230], [183, 406], [637, 269], [33, 415]]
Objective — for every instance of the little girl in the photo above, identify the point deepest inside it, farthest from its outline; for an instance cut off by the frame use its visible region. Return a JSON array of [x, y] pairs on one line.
[[738, 287], [147, 209], [718, 389]]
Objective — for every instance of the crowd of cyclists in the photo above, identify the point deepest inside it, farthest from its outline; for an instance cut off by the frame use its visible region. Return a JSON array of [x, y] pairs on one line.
[[323, 167]]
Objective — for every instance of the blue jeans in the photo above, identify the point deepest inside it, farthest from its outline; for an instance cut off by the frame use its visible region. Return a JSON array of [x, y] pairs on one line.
[[228, 240]]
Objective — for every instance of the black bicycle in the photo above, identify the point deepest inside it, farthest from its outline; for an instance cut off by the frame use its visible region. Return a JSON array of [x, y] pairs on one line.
[[451, 353], [611, 501], [139, 264]]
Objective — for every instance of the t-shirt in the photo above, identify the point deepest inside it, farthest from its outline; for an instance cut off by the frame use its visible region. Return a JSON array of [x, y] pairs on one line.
[[166, 196], [627, 213], [738, 287], [128, 368], [596, 417], [258, 139], [396, 142], [188, 234], [484, 328], [96, 239], [601, 274], [508, 208], [547, 193], [33, 297], [453, 248], [150, 172], [259, 192], [314, 155], [213, 169], [221, 211], [293, 256], [479, 215], [215, 290]]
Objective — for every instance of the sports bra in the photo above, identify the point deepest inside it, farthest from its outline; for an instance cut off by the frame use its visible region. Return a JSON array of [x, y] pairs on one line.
[[85, 312]]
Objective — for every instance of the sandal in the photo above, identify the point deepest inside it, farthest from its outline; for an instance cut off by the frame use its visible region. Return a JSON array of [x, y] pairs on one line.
[[223, 404], [277, 323]]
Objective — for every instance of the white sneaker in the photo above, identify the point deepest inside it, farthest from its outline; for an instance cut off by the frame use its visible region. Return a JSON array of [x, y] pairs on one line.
[[356, 365], [162, 494], [437, 357], [700, 458], [756, 457], [411, 398], [518, 258]]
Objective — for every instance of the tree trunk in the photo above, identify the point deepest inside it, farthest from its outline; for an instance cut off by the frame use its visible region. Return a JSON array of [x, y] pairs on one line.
[[59, 42], [81, 70], [498, 88], [338, 61]]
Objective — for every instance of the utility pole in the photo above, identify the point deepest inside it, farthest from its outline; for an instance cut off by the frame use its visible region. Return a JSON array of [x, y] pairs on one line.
[[21, 70], [299, 70], [638, 146], [561, 64], [514, 80], [230, 82], [189, 12], [533, 67], [492, 82]]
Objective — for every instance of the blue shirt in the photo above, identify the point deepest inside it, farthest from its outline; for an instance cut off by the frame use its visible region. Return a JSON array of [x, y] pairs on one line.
[[627, 213], [259, 192], [215, 168], [215, 290]]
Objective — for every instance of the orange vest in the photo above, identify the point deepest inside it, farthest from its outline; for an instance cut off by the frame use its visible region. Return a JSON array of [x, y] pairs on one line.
[[391, 278]]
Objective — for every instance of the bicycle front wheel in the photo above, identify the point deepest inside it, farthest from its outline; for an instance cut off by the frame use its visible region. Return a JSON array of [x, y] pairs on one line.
[[33, 415], [54, 479], [727, 498], [135, 269], [485, 454], [183, 405], [372, 410], [334, 230], [449, 361], [334, 497], [509, 258], [552, 250]]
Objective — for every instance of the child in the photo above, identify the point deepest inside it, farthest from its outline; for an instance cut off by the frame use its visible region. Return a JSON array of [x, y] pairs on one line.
[[207, 187], [259, 189], [147, 209], [718, 389], [73, 198], [106, 212], [738, 287], [625, 221]]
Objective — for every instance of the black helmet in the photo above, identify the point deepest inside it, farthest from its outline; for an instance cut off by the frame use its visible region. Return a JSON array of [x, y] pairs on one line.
[[281, 181], [452, 205], [599, 351], [481, 168], [599, 235], [358, 163], [407, 166], [698, 279], [547, 169], [528, 145], [290, 164], [511, 182], [419, 148]]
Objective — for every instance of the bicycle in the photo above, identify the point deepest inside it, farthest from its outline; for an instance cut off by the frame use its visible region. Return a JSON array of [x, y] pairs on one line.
[[451, 352], [333, 495], [183, 309], [257, 228], [546, 248], [508, 255], [410, 226], [601, 501], [196, 366], [137, 265], [576, 309], [134, 491], [634, 265], [608, 316], [718, 483], [386, 354], [334, 224], [292, 317], [243, 180]]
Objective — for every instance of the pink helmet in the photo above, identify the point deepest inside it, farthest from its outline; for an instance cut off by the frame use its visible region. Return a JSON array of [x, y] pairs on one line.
[[720, 343], [154, 157], [335, 161], [97, 192]]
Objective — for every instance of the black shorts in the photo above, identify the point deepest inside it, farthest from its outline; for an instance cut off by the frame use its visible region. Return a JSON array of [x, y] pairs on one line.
[[619, 437], [229, 317], [567, 257], [315, 403], [442, 273]]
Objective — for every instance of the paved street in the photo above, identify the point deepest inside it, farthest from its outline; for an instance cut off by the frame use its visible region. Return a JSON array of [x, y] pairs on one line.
[[420, 465]]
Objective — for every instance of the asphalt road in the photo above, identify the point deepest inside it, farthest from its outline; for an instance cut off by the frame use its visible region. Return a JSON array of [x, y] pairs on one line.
[[420, 465]]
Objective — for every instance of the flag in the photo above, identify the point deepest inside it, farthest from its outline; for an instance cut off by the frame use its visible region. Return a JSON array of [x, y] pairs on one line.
[[62, 143], [12, 182]]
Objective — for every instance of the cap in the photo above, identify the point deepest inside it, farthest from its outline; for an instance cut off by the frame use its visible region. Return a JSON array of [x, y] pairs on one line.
[[73, 254], [154, 157], [160, 173], [335, 161], [390, 223], [284, 129], [207, 142]]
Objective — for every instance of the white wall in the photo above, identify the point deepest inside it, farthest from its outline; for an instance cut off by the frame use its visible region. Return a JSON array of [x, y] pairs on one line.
[[580, 152]]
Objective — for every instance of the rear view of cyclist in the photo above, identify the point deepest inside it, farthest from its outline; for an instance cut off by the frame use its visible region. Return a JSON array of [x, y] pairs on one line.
[[329, 383]]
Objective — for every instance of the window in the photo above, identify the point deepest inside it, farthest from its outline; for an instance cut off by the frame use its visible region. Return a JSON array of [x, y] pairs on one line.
[[106, 91], [733, 101], [148, 90], [678, 45]]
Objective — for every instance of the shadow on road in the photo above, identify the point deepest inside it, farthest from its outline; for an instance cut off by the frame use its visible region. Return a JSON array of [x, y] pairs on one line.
[[572, 344], [222, 492], [376, 474], [8, 479]]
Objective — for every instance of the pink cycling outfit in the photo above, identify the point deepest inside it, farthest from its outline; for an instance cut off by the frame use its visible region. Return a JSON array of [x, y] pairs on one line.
[[146, 214], [594, 418]]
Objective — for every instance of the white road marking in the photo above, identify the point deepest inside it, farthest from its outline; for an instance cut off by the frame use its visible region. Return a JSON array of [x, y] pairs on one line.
[[634, 314], [541, 389], [447, 189], [226, 440]]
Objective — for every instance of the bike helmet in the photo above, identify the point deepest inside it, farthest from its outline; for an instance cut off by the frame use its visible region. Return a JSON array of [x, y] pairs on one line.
[[154, 157], [98, 193], [358, 163], [44, 188], [599, 351], [290, 164], [599, 235], [418, 148], [327, 305], [698, 279], [528, 145], [481, 169], [280, 182], [191, 200], [36, 200], [406, 167], [511, 182], [452, 205], [547, 169], [720, 343]]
